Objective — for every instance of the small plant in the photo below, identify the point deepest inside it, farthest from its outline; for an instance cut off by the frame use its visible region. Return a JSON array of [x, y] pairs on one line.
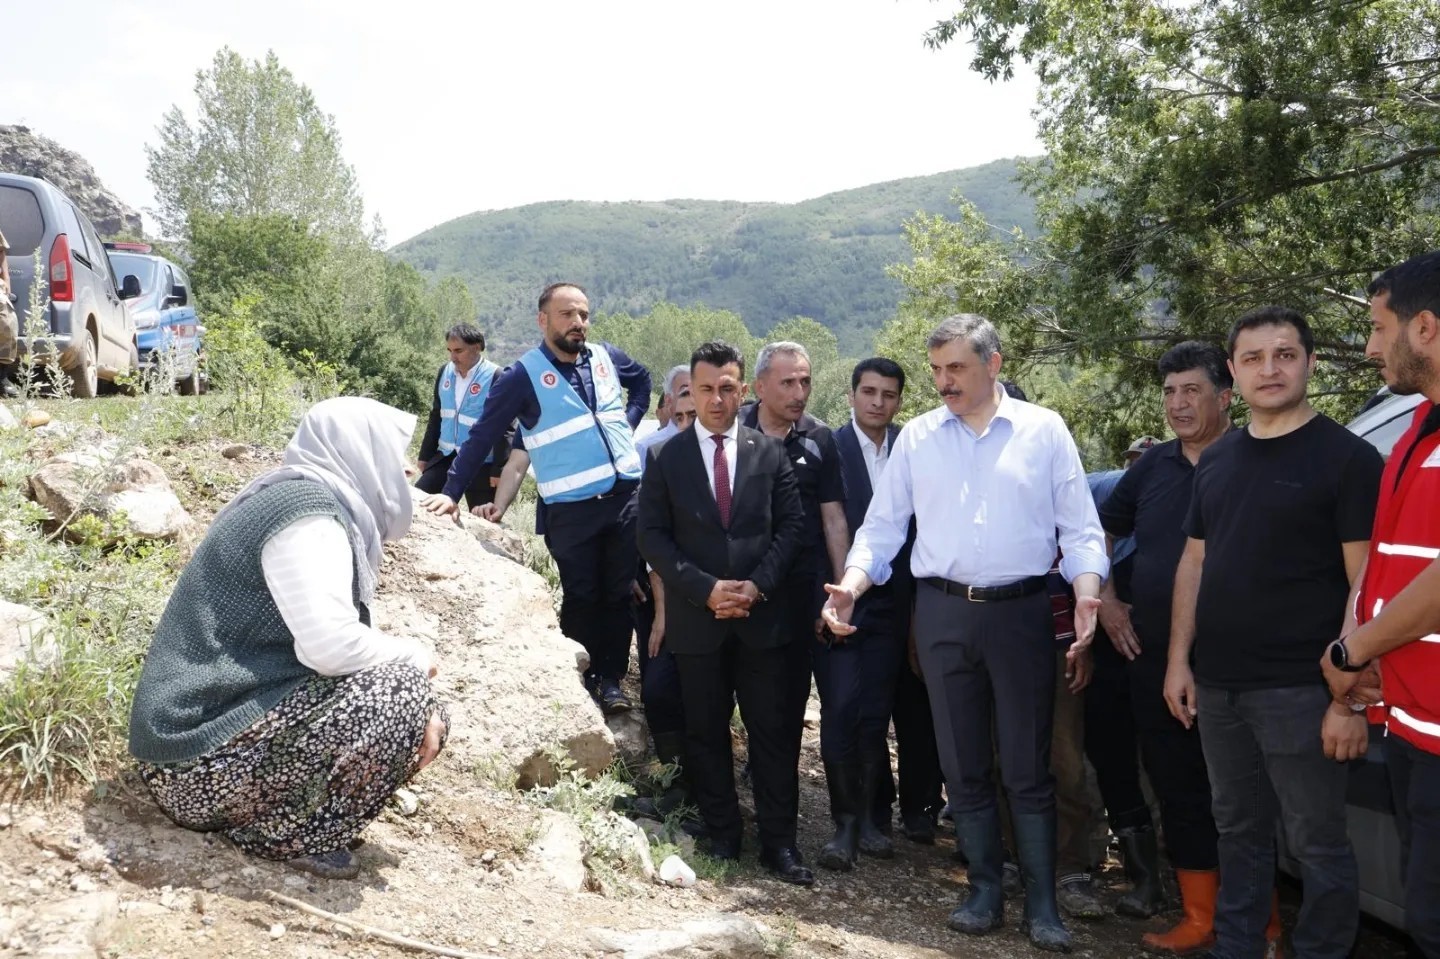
[[609, 837]]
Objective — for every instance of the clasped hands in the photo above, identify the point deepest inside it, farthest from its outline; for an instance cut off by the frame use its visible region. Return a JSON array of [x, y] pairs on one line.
[[732, 598]]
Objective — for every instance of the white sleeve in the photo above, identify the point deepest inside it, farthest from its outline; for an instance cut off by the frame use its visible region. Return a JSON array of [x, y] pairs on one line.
[[309, 568]]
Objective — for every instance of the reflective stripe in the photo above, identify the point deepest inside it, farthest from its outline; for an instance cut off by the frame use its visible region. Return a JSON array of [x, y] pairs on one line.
[[1432, 638], [466, 420], [1404, 549], [613, 416], [570, 427], [1419, 725], [447, 414], [575, 480]]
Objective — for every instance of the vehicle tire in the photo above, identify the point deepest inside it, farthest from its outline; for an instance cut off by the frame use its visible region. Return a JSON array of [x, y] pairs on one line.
[[85, 375], [190, 385]]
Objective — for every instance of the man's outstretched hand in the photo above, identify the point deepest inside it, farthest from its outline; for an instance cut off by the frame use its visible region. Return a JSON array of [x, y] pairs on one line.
[[441, 505]]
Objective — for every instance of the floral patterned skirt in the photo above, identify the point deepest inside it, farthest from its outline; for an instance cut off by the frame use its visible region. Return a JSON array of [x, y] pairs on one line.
[[313, 772]]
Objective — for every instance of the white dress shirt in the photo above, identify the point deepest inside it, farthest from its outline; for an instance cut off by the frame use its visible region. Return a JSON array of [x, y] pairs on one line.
[[462, 383], [309, 568], [987, 508], [643, 444], [875, 456], [707, 451]]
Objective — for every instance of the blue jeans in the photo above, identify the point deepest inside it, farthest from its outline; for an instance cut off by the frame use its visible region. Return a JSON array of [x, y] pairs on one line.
[[1415, 781], [1266, 763]]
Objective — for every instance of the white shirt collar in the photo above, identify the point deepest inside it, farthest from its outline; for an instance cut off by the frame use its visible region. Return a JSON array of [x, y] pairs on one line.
[[865, 441], [731, 434]]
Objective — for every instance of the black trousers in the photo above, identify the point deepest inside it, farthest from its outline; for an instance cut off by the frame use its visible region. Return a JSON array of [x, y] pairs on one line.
[[984, 657], [478, 493], [918, 756], [856, 682], [763, 682], [593, 542], [1112, 739], [659, 677], [1415, 783], [1176, 763]]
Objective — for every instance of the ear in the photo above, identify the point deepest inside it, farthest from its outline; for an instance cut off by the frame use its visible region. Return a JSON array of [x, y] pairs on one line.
[[1310, 363], [1427, 327], [994, 364], [540, 319], [1230, 365], [1226, 398], [744, 391]]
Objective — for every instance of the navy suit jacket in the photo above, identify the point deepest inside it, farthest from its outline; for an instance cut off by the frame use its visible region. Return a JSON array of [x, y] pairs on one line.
[[894, 599]]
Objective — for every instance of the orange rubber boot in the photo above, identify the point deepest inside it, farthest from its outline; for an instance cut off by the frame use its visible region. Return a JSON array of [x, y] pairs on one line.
[[1273, 930], [1198, 889]]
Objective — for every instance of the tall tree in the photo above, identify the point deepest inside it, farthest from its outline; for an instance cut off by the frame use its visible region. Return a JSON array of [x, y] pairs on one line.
[[1208, 157], [259, 145]]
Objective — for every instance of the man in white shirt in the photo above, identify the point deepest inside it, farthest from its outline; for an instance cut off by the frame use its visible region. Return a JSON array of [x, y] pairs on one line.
[[990, 481]]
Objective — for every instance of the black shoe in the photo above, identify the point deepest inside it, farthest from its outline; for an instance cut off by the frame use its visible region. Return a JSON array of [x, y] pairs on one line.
[[919, 827], [612, 700], [785, 863], [726, 849], [336, 864]]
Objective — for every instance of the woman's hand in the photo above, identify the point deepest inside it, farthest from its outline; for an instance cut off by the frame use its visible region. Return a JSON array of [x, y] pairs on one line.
[[430, 745]]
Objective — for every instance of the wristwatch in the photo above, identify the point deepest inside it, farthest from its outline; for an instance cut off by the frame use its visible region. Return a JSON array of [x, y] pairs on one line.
[[1340, 658]]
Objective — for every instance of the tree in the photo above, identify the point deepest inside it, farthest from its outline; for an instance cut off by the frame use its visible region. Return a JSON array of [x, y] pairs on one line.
[[668, 334], [1206, 158], [829, 374], [259, 145]]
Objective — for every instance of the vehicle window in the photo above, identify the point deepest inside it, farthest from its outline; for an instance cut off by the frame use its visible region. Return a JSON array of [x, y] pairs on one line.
[[140, 267], [184, 280], [167, 280], [80, 245], [21, 220], [70, 226], [1384, 436], [99, 261]]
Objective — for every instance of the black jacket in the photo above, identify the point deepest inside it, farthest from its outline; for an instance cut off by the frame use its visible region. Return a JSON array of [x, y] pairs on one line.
[[681, 537], [897, 595]]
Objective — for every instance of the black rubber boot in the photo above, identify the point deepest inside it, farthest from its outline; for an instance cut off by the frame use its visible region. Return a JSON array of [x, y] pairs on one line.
[[978, 833], [843, 781], [1141, 854], [873, 842], [1035, 846]]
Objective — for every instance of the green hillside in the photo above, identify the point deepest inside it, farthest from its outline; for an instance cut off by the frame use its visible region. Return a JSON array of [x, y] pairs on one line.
[[823, 258]]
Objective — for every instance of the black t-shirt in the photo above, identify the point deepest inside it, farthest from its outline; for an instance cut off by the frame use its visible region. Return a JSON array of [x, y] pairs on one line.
[[1273, 513], [1150, 503], [816, 461]]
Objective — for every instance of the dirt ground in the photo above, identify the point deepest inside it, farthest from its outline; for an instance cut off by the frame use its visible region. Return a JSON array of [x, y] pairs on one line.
[[105, 874]]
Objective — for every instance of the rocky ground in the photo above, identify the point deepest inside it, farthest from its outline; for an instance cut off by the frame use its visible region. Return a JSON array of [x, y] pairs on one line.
[[478, 868]]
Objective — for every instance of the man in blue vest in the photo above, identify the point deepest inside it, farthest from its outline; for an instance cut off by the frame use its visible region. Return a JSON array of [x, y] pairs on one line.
[[577, 430], [461, 388]]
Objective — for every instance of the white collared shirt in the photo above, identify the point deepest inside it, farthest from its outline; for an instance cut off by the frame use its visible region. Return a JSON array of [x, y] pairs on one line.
[[875, 456], [462, 383], [707, 451], [987, 507]]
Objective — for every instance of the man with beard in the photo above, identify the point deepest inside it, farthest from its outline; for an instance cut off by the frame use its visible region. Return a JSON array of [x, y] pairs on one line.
[[577, 430], [1396, 616], [1278, 527]]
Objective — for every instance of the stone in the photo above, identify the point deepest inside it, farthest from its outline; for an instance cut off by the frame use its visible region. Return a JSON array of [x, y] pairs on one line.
[[236, 451], [79, 923], [277, 930], [637, 853], [632, 736], [812, 719], [24, 151], [24, 635], [712, 937], [560, 851], [77, 484], [35, 419], [405, 802], [495, 538], [7, 419]]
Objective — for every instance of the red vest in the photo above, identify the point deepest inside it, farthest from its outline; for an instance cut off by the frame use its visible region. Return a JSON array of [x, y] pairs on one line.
[[1406, 540]]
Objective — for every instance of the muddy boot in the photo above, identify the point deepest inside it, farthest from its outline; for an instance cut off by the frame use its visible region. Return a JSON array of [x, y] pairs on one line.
[[873, 842], [978, 833], [1141, 854], [1035, 846], [1196, 932], [843, 781]]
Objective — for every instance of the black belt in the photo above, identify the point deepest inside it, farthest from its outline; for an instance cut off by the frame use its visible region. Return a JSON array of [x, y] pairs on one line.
[[988, 594]]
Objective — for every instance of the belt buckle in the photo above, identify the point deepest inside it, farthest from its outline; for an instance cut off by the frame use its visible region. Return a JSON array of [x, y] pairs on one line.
[[970, 595]]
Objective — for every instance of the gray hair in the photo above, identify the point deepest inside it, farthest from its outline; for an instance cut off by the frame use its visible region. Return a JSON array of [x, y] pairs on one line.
[[783, 347], [972, 328], [670, 377]]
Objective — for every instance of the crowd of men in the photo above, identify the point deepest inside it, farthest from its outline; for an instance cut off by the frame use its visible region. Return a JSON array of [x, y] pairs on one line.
[[1234, 599]]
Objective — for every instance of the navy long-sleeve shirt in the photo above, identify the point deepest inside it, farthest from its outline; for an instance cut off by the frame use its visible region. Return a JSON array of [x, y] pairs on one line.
[[512, 398]]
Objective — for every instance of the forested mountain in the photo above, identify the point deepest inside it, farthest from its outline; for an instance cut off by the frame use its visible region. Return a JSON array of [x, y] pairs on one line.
[[824, 258]]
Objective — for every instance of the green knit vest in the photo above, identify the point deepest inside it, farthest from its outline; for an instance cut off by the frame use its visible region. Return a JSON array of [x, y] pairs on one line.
[[222, 655]]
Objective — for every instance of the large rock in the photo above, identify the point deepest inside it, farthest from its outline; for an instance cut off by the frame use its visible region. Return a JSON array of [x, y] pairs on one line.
[[77, 484], [22, 151], [514, 681], [496, 538], [724, 936], [23, 633], [632, 736]]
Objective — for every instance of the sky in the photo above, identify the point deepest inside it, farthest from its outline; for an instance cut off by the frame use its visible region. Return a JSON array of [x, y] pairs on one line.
[[445, 108]]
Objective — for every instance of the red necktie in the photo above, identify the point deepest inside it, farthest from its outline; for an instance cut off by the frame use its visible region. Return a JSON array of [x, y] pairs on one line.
[[722, 481]]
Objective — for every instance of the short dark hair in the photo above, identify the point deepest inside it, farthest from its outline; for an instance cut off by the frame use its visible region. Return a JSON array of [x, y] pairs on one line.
[[1013, 390], [881, 365], [466, 333], [1196, 355], [717, 353], [1272, 316], [549, 291], [1413, 286]]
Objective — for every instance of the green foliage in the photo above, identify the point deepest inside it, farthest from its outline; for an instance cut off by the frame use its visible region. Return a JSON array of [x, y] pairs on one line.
[[824, 258], [259, 145], [1207, 158], [609, 850], [667, 335], [253, 379]]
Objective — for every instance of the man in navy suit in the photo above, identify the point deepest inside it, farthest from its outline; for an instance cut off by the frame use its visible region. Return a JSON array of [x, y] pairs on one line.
[[721, 523], [857, 677]]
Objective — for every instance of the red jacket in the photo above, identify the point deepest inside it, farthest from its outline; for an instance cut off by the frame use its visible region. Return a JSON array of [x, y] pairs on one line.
[[1405, 541]]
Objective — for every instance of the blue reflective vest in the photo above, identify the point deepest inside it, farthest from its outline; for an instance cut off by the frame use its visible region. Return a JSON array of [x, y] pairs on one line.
[[578, 454], [455, 424]]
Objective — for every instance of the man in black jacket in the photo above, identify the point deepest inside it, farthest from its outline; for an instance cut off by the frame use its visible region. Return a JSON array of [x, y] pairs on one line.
[[721, 522]]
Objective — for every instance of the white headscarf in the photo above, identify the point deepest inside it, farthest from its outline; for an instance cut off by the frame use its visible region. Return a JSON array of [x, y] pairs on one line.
[[356, 448]]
